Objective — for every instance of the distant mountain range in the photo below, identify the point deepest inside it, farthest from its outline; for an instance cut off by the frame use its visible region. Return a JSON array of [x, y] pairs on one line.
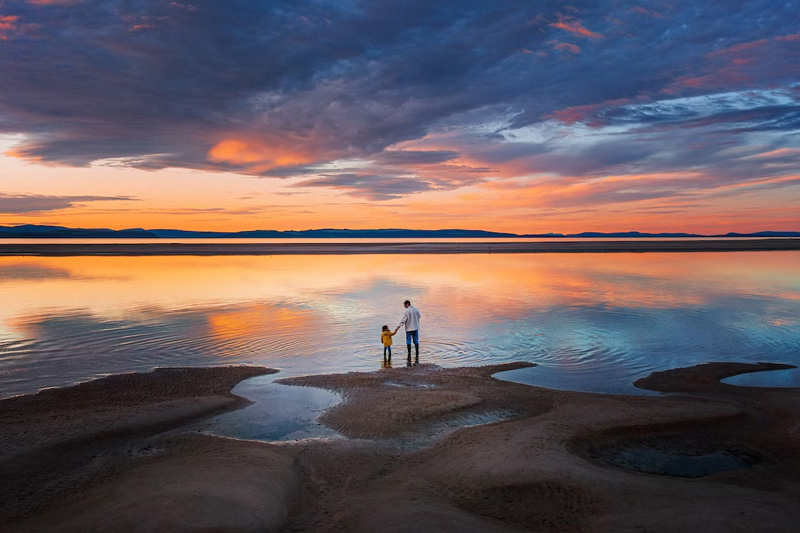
[[31, 231]]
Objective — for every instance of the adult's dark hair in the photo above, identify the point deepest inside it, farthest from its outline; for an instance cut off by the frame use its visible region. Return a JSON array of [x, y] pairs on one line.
[[407, 302]]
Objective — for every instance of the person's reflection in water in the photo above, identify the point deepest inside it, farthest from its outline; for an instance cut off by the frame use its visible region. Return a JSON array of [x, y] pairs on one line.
[[387, 363]]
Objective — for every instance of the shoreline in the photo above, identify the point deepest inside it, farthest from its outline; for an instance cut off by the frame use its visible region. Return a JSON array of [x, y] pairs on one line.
[[95, 456], [591, 246]]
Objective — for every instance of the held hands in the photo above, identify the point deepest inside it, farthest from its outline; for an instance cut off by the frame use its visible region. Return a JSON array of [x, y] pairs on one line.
[[395, 329]]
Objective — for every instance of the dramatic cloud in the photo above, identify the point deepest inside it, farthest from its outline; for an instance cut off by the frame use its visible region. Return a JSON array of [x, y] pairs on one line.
[[33, 203], [416, 157], [385, 99], [369, 186], [574, 27]]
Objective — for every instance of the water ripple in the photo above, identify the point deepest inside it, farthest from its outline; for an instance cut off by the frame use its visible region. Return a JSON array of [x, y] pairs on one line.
[[589, 323]]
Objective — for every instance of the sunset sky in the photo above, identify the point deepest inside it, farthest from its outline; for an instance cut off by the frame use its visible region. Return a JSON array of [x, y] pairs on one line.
[[524, 116]]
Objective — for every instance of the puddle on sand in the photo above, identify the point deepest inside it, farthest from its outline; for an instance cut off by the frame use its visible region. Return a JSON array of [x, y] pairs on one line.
[[788, 378], [283, 413], [546, 376], [672, 463], [428, 436], [279, 413], [412, 385]]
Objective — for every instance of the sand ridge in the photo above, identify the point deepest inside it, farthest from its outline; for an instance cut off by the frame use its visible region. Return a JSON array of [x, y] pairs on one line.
[[537, 472], [117, 404], [61, 440]]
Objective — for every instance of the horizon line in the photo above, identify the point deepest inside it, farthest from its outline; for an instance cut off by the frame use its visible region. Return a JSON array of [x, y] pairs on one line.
[[57, 228]]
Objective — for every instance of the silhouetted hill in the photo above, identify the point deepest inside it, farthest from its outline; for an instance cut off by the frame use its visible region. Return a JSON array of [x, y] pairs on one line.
[[766, 234], [329, 233], [29, 231], [629, 234]]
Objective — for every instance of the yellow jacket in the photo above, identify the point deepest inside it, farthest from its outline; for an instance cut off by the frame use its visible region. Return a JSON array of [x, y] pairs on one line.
[[386, 337]]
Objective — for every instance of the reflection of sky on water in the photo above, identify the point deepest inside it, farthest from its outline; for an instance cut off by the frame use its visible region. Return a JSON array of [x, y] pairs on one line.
[[773, 378], [294, 419], [591, 321]]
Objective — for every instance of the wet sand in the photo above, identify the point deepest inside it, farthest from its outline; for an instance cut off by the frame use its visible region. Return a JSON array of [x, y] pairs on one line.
[[91, 457], [388, 247]]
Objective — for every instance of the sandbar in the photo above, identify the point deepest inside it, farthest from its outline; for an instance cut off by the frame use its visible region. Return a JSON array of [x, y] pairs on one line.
[[388, 247], [547, 461]]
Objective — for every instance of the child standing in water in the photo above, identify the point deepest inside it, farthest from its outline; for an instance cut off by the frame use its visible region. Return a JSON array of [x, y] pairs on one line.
[[386, 339]]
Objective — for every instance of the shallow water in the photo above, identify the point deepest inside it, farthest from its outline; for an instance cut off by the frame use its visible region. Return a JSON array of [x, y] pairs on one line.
[[278, 413], [592, 322], [789, 378], [670, 463]]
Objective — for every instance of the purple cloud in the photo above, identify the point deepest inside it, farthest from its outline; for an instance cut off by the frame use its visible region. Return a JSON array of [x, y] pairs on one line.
[[369, 186], [34, 203]]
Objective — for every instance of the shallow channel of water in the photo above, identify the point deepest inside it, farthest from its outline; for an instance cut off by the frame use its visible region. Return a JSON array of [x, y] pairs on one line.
[[789, 378], [279, 413]]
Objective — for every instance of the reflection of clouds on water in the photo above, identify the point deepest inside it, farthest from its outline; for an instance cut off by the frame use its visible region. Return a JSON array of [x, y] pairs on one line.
[[591, 321], [57, 349], [31, 271], [295, 419]]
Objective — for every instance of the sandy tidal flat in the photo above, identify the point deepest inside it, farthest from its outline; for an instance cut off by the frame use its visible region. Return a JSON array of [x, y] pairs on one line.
[[92, 457]]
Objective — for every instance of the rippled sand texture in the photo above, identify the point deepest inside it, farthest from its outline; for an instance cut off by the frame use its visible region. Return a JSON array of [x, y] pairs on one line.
[[62, 441], [547, 470], [548, 466]]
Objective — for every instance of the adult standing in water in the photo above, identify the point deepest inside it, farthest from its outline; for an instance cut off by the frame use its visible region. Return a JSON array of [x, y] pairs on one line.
[[410, 321]]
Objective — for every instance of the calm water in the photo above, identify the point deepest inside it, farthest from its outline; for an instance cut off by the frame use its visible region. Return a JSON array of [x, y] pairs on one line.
[[592, 322]]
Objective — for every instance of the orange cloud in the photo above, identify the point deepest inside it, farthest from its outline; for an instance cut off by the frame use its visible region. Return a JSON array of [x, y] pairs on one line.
[[743, 63], [8, 23], [780, 152], [741, 47], [260, 156], [618, 203], [567, 47], [572, 115], [648, 12], [54, 2], [576, 28]]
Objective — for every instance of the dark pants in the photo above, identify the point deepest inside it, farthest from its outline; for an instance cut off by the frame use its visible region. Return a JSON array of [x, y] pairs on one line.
[[387, 349], [412, 336]]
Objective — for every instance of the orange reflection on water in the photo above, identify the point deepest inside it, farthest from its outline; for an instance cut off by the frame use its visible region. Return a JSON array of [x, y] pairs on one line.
[[455, 284], [73, 318], [258, 320]]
